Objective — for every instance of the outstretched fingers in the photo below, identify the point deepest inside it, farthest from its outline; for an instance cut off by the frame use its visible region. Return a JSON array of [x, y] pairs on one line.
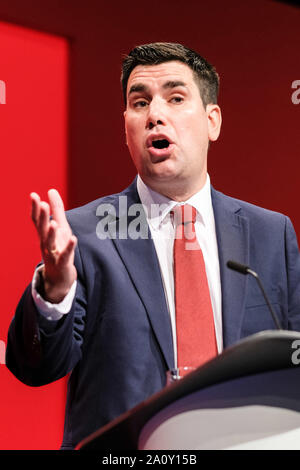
[[57, 208], [50, 242], [35, 207], [67, 255], [57, 245], [56, 239], [40, 214]]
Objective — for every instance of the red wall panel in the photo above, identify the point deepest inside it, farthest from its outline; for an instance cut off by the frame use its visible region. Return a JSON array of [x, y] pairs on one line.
[[33, 129]]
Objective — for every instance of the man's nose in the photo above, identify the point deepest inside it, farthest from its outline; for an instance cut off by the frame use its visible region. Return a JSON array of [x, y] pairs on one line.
[[155, 115]]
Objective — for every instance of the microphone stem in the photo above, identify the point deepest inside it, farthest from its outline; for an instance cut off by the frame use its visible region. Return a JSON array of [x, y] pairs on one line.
[[253, 273]]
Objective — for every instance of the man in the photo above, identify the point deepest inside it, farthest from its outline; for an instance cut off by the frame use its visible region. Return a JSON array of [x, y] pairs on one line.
[[102, 305]]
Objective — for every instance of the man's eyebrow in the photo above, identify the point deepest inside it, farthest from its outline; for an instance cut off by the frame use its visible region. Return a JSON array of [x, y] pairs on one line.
[[138, 88], [142, 88], [174, 84]]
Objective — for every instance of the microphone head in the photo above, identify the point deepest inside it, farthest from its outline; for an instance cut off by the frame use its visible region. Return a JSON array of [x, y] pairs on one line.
[[241, 268]]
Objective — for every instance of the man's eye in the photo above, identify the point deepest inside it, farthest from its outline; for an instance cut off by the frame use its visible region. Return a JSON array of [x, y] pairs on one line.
[[140, 104], [177, 99]]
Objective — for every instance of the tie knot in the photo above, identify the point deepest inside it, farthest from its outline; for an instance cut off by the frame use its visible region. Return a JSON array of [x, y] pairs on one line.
[[184, 214]]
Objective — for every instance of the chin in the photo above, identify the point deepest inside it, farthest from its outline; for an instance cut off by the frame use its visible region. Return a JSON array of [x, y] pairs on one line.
[[162, 176], [163, 170]]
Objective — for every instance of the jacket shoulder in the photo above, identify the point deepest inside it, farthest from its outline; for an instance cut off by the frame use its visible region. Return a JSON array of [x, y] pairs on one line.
[[84, 217], [247, 209]]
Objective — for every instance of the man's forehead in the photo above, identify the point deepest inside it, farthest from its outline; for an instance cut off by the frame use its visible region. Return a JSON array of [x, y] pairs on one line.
[[161, 73]]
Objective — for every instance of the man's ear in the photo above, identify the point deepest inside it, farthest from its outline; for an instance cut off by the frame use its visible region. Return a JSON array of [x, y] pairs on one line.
[[214, 121]]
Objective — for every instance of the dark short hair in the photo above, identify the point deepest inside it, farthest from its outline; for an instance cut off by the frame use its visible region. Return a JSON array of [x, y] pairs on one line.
[[156, 53]]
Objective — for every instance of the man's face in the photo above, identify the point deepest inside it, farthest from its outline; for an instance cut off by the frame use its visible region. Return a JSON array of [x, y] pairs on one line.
[[168, 128]]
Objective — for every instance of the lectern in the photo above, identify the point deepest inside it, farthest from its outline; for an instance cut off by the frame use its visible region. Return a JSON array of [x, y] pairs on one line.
[[248, 397]]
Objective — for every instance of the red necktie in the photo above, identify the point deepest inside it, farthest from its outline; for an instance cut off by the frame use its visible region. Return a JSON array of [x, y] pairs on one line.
[[196, 340]]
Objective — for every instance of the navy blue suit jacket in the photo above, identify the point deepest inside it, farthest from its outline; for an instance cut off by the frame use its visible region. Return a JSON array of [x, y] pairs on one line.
[[117, 339]]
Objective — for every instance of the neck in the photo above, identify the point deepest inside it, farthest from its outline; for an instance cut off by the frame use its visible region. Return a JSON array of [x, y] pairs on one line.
[[177, 192]]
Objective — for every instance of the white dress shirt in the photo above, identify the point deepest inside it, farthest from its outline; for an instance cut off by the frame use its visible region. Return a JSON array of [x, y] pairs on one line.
[[157, 208], [163, 234]]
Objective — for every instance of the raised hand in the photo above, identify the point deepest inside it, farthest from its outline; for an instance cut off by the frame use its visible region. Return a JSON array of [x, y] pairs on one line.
[[57, 245]]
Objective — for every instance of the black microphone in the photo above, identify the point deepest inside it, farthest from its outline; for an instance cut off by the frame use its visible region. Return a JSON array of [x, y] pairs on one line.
[[243, 269]]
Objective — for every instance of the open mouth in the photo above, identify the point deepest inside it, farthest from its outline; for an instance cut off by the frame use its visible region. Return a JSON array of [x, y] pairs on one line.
[[159, 147], [160, 143]]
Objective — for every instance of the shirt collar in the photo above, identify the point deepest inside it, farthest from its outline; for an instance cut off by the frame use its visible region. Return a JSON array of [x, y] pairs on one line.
[[157, 206]]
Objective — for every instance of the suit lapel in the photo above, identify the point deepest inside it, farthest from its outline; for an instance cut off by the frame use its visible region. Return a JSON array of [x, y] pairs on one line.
[[139, 257], [233, 244]]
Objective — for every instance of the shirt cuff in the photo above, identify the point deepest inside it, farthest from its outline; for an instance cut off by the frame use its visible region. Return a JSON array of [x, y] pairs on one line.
[[47, 309]]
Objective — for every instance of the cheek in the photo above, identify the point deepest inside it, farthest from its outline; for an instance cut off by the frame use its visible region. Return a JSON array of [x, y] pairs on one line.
[[191, 124], [133, 132]]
